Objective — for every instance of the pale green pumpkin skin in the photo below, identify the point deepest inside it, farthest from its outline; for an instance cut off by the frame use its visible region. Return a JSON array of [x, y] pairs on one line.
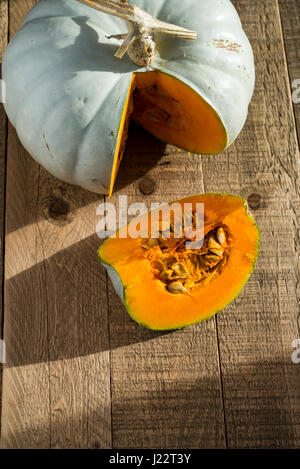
[[65, 90]]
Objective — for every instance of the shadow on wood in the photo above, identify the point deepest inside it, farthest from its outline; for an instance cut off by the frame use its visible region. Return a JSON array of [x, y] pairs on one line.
[[176, 416], [142, 153], [72, 324]]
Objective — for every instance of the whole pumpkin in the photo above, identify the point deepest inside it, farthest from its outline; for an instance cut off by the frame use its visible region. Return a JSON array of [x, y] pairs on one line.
[[70, 99]]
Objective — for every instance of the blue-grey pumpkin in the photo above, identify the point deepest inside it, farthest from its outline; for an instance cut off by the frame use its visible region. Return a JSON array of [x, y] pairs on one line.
[[66, 91]]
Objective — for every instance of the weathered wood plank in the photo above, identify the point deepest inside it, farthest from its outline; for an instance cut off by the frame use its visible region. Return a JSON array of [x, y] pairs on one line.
[[290, 20], [166, 387], [76, 291], [56, 388], [166, 390], [261, 384], [25, 407], [3, 141]]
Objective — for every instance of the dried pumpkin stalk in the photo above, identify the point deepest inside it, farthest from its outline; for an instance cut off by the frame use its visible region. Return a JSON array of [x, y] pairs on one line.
[[139, 41]]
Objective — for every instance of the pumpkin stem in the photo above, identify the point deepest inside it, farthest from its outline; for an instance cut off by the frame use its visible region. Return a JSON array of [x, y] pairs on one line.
[[130, 38], [139, 42]]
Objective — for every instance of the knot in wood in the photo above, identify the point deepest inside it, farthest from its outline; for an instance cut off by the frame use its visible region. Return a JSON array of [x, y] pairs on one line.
[[147, 186], [254, 201]]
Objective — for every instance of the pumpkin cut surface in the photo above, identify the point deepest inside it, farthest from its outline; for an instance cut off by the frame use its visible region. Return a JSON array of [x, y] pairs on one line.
[[171, 111], [165, 284]]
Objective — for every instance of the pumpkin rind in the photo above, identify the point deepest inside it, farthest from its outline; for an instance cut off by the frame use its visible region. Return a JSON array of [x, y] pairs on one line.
[[66, 92], [157, 309]]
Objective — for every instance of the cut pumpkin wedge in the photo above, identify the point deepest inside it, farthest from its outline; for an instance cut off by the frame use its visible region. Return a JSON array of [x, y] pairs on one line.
[[164, 284]]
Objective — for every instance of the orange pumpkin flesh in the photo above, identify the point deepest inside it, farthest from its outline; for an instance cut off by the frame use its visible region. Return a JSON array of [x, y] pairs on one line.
[[172, 112], [147, 298]]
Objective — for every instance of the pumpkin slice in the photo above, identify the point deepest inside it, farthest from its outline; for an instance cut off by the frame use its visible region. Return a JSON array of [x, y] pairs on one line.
[[164, 284]]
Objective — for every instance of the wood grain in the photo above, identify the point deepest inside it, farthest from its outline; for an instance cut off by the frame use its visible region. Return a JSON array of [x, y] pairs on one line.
[[3, 141], [56, 384], [261, 384], [290, 20], [80, 372], [166, 390]]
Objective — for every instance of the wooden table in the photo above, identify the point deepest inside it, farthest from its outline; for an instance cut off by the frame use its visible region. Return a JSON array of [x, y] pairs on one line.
[[79, 372]]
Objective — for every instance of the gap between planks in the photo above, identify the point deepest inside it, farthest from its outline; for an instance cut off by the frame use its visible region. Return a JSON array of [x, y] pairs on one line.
[[4, 20], [290, 23]]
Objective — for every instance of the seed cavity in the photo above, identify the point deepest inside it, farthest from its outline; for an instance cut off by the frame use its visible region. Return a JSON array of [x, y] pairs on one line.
[[180, 269]]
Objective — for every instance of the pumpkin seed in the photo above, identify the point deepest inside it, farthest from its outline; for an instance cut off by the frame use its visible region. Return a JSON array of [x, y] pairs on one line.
[[166, 276], [158, 265], [179, 269], [221, 236], [212, 243], [150, 243], [177, 288], [168, 259], [163, 243], [211, 259], [217, 252]]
